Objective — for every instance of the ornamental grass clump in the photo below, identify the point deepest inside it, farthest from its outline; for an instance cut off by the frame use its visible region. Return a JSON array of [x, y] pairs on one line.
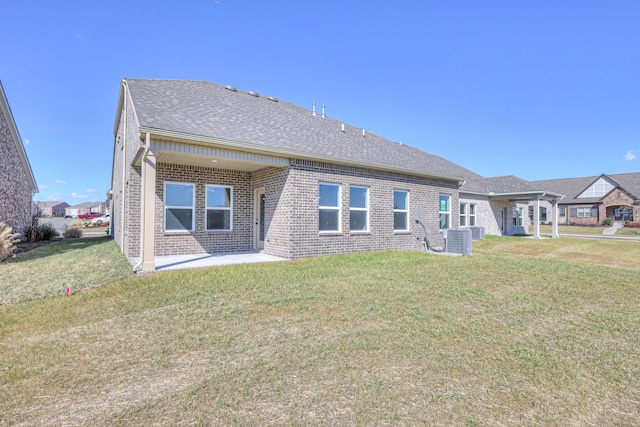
[[8, 241]]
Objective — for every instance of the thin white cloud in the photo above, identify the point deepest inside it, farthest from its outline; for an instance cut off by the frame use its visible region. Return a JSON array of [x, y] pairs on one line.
[[630, 156], [61, 182], [78, 196], [80, 38], [42, 187], [91, 190], [26, 141]]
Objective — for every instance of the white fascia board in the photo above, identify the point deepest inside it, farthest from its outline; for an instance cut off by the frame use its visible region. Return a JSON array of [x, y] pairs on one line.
[[263, 149], [15, 134]]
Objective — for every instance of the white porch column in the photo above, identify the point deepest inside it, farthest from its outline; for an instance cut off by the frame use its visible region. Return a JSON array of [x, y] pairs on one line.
[[536, 217], [554, 219], [148, 208]]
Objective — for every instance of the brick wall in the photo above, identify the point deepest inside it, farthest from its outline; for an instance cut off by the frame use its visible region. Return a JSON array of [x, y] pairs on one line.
[[200, 240], [301, 195], [15, 192], [291, 210]]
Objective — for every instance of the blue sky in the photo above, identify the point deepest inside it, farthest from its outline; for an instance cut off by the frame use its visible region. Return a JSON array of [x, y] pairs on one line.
[[545, 89]]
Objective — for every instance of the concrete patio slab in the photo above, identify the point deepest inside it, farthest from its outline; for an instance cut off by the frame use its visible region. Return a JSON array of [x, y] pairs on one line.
[[164, 263]]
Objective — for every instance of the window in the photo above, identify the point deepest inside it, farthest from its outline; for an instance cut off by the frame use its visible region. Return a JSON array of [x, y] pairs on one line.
[[584, 212], [179, 206], [400, 210], [358, 208], [463, 214], [472, 215], [517, 217], [562, 211], [329, 207], [444, 209], [543, 214], [219, 208]]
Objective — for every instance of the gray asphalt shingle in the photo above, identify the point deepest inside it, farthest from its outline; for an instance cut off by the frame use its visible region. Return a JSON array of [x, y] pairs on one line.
[[209, 110]]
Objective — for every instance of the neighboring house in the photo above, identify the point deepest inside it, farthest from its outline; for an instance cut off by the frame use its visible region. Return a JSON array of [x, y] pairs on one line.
[[589, 200], [203, 168], [17, 183], [501, 205], [52, 208], [85, 208]]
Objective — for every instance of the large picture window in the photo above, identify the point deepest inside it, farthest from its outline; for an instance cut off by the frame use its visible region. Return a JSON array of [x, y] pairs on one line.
[[444, 209], [219, 208], [179, 206], [400, 210], [358, 208], [329, 207]]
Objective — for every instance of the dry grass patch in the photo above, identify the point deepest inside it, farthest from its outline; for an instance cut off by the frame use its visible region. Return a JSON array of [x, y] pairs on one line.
[[402, 338]]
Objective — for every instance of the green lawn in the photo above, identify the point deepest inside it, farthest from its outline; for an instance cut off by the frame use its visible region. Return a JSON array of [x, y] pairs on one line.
[[522, 332], [74, 263]]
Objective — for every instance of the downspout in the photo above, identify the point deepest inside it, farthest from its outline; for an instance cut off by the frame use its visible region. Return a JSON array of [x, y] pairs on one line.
[[147, 148], [124, 171]]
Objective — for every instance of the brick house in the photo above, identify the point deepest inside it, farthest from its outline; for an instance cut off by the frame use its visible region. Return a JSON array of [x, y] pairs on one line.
[[204, 168], [52, 208], [17, 182], [589, 200]]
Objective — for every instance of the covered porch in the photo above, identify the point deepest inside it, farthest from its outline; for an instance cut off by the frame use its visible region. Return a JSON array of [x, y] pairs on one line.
[[537, 200], [212, 234]]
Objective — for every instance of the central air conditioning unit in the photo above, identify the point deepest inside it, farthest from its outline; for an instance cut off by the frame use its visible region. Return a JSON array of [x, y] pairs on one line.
[[477, 233], [457, 240]]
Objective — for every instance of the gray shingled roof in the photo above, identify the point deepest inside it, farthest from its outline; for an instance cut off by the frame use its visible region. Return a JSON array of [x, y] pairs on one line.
[[573, 187], [209, 110], [509, 184]]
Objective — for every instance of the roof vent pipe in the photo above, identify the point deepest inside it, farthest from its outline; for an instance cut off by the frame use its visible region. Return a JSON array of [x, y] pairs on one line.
[[343, 128], [362, 131], [323, 112], [313, 108]]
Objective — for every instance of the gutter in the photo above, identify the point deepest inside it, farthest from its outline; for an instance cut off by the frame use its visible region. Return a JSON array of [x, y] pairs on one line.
[[265, 150], [147, 148]]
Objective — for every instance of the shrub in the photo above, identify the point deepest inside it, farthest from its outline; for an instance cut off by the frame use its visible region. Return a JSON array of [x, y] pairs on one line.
[[73, 233], [48, 231], [626, 223], [7, 241], [633, 225], [607, 221], [38, 232]]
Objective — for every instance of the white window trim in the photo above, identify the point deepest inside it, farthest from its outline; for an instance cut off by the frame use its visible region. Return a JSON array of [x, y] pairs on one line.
[[402, 230], [359, 209], [338, 208], [464, 215], [517, 216], [448, 212], [473, 208], [584, 211], [206, 208], [193, 208]]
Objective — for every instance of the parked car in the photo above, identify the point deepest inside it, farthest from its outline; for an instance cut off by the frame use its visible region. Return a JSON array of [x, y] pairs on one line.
[[91, 215], [103, 220]]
